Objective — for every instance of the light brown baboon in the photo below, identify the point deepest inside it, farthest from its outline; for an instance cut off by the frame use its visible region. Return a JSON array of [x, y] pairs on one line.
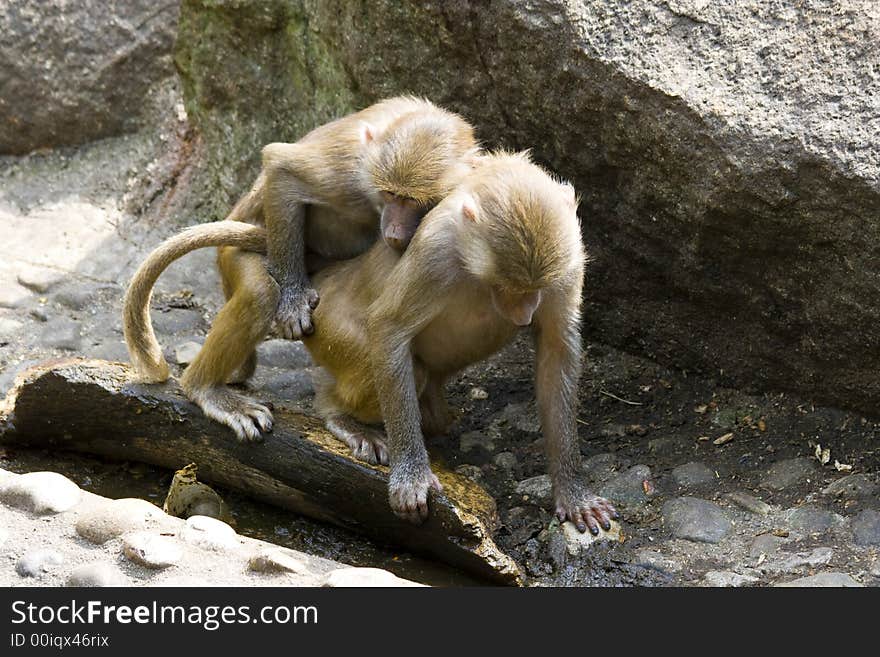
[[503, 251], [320, 197]]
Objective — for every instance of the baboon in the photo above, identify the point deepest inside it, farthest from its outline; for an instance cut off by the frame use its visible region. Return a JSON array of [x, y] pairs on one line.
[[501, 252], [319, 199]]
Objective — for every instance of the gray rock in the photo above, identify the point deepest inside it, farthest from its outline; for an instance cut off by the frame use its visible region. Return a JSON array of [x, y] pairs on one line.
[[829, 579], [538, 490], [61, 333], [209, 534], [783, 474], [286, 354], [852, 486], [9, 327], [784, 563], [696, 520], [178, 320], [114, 518], [749, 503], [505, 460], [40, 492], [37, 562], [475, 440], [725, 578], [364, 577], [13, 295], [290, 384], [812, 521], [97, 574], [628, 488], [766, 544], [600, 467], [76, 296], [777, 100], [866, 528], [647, 558], [276, 560], [186, 352], [151, 550], [4, 534], [78, 71], [693, 475], [38, 279]]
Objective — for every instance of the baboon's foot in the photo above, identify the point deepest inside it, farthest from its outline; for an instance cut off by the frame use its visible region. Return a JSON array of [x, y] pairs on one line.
[[245, 417], [365, 442]]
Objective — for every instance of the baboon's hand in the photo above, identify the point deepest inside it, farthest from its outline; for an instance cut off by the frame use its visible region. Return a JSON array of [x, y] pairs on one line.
[[294, 314], [585, 509], [408, 493]]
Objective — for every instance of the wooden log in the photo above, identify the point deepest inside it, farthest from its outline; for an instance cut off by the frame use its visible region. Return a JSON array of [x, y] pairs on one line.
[[96, 407]]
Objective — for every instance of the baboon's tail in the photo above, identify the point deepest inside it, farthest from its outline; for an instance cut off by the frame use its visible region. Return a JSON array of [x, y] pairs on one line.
[[143, 348]]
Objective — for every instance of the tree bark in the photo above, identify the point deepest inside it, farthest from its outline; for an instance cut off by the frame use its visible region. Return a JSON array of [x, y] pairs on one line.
[[97, 407]]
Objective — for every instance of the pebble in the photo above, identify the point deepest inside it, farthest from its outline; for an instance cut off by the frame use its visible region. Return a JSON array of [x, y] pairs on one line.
[[749, 503], [866, 528], [855, 485], [38, 279], [209, 533], [13, 295], [696, 519], [834, 579], [786, 473], [767, 544], [97, 574], [577, 542], [788, 563], [290, 384], [272, 560], [151, 550], [812, 521], [285, 354], [114, 518], [469, 471], [693, 474], [628, 487], [364, 577], [475, 440], [505, 460], [523, 416], [478, 393], [61, 333], [37, 562], [538, 489], [647, 558], [178, 320], [726, 578], [600, 467], [186, 353], [41, 493]]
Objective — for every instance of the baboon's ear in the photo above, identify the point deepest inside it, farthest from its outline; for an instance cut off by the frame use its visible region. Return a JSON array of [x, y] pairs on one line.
[[367, 132], [468, 209]]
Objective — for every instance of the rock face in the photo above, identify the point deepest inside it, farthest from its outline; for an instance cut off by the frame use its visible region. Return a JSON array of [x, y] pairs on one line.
[[76, 70], [724, 152]]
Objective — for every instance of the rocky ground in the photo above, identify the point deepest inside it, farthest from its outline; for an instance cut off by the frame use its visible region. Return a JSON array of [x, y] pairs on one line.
[[716, 486]]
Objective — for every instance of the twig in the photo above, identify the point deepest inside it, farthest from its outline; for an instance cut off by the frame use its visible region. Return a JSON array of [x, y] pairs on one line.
[[620, 399]]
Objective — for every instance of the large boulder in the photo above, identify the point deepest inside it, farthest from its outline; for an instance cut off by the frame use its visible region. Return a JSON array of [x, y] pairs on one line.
[[725, 152], [76, 70]]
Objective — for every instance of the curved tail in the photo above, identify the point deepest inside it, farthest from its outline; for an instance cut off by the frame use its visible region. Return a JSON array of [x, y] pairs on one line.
[[143, 348]]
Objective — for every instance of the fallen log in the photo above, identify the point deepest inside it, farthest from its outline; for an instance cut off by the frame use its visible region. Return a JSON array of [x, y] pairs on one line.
[[96, 407]]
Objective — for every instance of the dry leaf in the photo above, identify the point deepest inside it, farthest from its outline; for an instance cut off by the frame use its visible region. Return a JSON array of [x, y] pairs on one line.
[[702, 408], [842, 467], [762, 426], [726, 438], [822, 455]]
